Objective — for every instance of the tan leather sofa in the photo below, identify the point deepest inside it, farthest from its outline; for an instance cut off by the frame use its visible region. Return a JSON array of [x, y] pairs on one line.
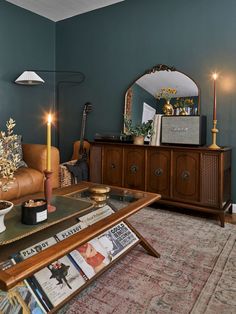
[[31, 180]]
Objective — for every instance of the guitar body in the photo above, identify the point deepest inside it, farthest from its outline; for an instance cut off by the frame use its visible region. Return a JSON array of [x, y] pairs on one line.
[[76, 147]]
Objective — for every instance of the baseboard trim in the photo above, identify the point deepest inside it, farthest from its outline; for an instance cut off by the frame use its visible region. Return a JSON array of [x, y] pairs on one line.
[[234, 208]]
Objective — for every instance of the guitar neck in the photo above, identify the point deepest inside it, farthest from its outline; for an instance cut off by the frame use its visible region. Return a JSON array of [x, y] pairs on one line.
[[81, 147]]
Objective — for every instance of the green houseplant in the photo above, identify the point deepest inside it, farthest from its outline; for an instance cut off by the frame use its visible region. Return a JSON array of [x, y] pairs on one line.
[[138, 131]]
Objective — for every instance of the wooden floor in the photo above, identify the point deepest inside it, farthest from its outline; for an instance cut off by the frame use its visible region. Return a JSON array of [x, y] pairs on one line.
[[230, 218]]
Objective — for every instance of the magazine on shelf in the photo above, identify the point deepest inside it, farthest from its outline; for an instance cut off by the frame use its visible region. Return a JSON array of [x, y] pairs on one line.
[[90, 256], [96, 215], [20, 299], [60, 278], [117, 240], [70, 231], [34, 285]]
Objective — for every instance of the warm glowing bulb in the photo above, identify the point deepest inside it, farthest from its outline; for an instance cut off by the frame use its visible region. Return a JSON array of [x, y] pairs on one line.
[[49, 118], [214, 76]]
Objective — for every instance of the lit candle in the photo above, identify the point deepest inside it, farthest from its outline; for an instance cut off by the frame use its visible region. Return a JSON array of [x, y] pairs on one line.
[[49, 138], [214, 76]]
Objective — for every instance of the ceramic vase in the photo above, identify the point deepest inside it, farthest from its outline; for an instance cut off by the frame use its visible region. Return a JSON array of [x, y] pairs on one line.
[[168, 109], [3, 212], [183, 112]]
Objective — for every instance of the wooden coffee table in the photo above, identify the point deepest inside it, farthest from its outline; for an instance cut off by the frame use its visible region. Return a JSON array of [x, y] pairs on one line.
[[130, 202]]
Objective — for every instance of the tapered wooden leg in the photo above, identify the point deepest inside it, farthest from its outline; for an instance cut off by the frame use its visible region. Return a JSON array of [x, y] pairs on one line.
[[222, 219], [147, 246]]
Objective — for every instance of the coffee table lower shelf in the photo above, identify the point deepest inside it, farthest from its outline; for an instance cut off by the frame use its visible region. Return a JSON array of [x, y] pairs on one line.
[[13, 275]]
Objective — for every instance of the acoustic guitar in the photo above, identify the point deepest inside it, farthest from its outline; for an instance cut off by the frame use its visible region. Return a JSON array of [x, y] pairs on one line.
[[81, 147], [80, 170]]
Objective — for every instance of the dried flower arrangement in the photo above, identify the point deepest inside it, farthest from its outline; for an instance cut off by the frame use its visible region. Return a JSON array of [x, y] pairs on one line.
[[167, 93], [8, 159]]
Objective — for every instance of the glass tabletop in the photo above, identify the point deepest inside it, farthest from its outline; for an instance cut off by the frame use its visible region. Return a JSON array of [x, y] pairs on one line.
[[116, 198]]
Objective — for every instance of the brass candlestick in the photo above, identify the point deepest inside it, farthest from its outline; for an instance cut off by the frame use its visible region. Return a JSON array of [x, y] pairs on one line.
[[214, 131], [48, 190]]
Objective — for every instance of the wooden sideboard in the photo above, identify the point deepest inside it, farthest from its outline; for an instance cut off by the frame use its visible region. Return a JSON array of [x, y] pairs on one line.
[[188, 177]]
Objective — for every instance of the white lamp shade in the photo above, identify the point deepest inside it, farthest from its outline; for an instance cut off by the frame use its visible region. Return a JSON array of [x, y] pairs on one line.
[[29, 78]]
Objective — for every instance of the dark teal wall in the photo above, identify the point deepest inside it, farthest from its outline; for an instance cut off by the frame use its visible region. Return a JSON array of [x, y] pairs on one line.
[[116, 44], [27, 41], [113, 46]]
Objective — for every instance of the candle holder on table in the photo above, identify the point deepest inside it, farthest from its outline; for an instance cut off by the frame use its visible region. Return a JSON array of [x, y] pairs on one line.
[[48, 190], [214, 131], [99, 194]]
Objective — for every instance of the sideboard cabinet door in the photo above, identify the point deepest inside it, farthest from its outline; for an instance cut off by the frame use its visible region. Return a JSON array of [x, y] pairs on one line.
[[95, 163], [112, 165], [186, 175], [134, 168], [158, 171]]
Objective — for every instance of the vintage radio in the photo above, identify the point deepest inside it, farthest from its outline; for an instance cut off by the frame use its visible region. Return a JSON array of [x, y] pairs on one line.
[[185, 130]]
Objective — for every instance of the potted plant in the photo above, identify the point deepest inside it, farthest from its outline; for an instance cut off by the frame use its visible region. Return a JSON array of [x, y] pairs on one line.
[[8, 166], [138, 131]]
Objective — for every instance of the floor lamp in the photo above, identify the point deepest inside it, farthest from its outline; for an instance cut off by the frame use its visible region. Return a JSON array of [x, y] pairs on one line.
[[31, 78]]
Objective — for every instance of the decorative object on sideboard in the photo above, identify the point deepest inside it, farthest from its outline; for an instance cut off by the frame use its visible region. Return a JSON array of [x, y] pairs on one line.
[[138, 131], [183, 104], [167, 93], [5, 207], [214, 130], [156, 136], [48, 172], [184, 130], [34, 212]]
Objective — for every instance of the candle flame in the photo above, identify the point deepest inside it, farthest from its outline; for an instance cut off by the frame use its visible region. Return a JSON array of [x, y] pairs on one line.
[[215, 76], [49, 118]]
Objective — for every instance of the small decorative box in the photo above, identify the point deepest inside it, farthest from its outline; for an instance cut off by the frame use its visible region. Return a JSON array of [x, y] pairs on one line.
[[34, 212]]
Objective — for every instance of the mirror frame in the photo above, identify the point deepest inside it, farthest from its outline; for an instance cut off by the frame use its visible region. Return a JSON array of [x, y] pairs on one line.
[[156, 68]]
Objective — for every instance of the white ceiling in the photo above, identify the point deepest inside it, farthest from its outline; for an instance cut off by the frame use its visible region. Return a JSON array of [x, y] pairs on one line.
[[153, 83], [57, 10]]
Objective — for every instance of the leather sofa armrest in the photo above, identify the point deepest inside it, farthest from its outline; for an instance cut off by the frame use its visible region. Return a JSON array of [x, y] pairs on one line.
[[35, 157]]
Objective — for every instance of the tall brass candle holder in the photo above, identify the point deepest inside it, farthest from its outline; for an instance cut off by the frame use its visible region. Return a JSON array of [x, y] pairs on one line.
[[214, 131], [48, 190]]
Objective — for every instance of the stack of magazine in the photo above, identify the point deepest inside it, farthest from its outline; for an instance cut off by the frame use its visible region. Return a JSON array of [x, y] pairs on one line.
[[53, 284]]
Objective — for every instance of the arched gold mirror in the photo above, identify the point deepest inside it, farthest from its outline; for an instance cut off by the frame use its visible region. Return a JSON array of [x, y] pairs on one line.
[[150, 93]]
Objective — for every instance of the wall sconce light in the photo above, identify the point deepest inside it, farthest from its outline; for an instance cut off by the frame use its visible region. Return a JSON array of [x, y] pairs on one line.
[[29, 78]]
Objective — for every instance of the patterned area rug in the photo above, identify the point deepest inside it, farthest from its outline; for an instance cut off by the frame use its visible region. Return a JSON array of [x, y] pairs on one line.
[[195, 274]]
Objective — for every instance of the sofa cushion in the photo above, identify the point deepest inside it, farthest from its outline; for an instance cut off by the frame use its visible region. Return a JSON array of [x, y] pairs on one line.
[[27, 181]]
